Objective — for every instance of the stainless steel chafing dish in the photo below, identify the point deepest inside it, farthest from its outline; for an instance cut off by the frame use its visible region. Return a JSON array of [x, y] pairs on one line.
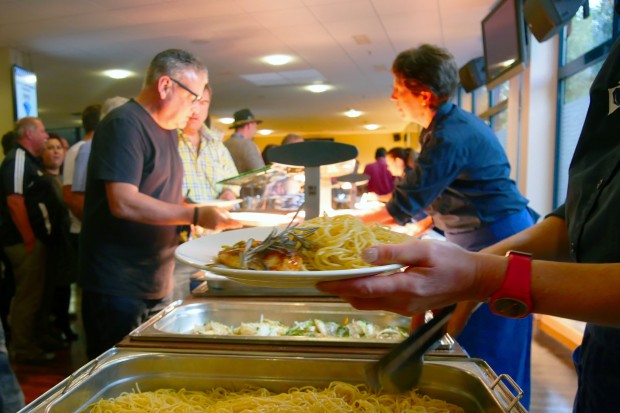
[[469, 383], [176, 322]]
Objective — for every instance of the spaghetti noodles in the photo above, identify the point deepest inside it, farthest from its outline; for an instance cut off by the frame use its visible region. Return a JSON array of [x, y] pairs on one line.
[[339, 242], [338, 397]]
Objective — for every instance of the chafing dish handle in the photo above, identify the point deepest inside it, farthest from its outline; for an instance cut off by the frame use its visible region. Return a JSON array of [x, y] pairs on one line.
[[512, 403]]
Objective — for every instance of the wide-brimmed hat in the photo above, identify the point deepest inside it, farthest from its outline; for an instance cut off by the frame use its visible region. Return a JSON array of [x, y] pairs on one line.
[[242, 117]]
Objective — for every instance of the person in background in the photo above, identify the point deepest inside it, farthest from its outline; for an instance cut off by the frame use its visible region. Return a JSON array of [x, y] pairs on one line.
[[380, 180], [462, 180], [241, 143], [19, 170], [398, 161], [78, 186], [75, 201], [53, 321], [206, 160], [7, 281], [134, 202], [264, 153], [9, 140], [291, 138]]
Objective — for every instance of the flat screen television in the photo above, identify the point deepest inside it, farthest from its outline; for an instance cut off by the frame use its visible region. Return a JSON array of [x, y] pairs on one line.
[[504, 41], [24, 93]]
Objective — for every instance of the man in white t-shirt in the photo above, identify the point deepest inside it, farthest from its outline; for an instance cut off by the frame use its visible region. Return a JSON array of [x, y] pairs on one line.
[[75, 200]]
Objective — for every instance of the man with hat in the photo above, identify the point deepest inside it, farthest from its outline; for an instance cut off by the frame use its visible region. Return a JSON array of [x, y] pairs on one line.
[[242, 148]]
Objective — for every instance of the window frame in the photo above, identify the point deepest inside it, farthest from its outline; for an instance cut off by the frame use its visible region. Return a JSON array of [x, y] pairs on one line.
[[565, 71]]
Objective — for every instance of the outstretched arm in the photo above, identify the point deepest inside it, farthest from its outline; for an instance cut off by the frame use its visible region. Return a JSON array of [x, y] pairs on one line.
[[440, 274]]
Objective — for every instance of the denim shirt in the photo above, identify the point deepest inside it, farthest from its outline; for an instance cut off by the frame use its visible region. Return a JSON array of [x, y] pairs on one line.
[[461, 177]]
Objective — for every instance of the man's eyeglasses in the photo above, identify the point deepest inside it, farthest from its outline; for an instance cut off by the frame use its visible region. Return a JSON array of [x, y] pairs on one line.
[[197, 97]]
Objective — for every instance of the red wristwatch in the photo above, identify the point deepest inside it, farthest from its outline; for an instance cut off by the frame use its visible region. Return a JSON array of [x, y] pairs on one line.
[[514, 297]]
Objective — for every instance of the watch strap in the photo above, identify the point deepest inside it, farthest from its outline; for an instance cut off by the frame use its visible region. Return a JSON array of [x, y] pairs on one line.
[[514, 297]]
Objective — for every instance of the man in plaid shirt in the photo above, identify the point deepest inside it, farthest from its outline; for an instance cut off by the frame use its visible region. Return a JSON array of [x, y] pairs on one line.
[[206, 160]]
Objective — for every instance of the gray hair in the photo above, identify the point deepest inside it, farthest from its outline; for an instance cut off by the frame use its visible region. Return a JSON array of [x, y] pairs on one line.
[[169, 63], [112, 103], [24, 124]]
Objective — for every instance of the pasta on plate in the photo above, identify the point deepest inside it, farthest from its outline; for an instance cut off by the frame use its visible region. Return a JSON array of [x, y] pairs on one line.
[[339, 242], [320, 244], [338, 397]]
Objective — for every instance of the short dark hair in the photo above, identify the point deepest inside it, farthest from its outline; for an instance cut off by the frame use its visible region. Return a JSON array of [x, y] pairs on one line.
[[428, 67], [380, 153], [9, 140], [169, 63], [90, 117]]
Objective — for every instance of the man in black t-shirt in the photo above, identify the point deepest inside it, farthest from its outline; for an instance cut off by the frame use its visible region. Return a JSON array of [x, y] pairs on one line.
[[133, 203]]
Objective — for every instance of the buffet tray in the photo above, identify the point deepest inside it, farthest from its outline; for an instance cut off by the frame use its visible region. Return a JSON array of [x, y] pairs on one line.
[[469, 383], [176, 322]]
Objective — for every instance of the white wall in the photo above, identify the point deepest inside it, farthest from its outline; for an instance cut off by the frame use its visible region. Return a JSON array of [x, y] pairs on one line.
[[532, 108]]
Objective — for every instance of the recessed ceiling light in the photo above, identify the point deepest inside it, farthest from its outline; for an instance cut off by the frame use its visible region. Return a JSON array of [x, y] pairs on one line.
[[318, 88], [372, 126], [117, 73], [265, 132], [352, 113], [277, 59], [226, 121]]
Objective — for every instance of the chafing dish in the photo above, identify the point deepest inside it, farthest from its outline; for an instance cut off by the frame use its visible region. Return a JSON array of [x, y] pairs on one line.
[[176, 322], [469, 383]]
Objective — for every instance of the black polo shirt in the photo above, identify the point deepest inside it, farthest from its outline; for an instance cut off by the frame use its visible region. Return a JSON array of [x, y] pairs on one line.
[[592, 214]]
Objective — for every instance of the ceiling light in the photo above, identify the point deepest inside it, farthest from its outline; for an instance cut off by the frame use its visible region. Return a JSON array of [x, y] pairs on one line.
[[226, 121], [318, 88], [277, 59], [265, 132], [117, 73], [372, 126], [352, 113]]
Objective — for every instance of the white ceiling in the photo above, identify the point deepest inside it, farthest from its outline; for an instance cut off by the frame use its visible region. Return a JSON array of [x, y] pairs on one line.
[[69, 42]]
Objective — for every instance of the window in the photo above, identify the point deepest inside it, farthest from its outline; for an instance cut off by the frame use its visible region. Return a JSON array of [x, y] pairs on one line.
[[585, 45]]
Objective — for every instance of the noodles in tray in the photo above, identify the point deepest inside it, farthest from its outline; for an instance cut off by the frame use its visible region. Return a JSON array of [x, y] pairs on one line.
[[338, 397], [339, 242]]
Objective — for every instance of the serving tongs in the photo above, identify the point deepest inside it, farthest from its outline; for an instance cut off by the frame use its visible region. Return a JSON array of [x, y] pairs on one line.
[[400, 369]]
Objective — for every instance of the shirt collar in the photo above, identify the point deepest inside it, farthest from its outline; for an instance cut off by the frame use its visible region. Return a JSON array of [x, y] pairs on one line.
[[204, 133]]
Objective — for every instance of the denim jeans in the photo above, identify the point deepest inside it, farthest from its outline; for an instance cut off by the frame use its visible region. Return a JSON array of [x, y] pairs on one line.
[[11, 396]]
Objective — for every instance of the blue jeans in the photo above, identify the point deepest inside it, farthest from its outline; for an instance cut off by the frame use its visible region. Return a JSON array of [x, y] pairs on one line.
[[108, 318], [11, 396]]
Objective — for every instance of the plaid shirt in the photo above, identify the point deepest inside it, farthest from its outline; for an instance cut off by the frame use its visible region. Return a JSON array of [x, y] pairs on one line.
[[204, 168]]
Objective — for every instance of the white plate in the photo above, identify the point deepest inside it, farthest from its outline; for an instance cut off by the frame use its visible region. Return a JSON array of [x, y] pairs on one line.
[[201, 252], [260, 219], [222, 203]]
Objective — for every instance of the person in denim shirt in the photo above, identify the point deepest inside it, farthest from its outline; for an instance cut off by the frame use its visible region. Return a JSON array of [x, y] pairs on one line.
[[461, 178]]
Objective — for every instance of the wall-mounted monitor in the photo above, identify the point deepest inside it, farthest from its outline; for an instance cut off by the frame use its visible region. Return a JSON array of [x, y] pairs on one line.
[[24, 93], [504, 41]]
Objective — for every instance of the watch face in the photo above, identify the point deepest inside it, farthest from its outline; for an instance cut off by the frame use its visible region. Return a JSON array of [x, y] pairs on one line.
[[510, 307]]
